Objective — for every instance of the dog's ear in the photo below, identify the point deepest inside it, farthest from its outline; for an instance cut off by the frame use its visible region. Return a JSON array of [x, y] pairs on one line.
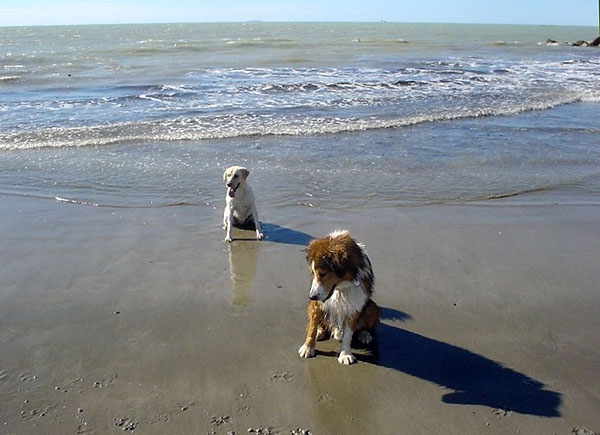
[[328, 262], [338, 269], [339, 263], [344, 259], [245, 173]]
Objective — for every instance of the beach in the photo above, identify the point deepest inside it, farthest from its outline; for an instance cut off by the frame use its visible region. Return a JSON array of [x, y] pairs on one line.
[[464, 157], [143, 320]]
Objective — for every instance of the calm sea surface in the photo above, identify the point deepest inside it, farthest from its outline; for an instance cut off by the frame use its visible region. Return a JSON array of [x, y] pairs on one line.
[[324, 115]]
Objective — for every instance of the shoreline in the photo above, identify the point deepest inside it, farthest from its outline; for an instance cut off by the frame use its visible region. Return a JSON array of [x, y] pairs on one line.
[[143, 320]]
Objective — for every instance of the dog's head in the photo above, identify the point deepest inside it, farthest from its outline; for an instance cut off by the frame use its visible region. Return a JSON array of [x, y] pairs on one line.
[[331, 260], [233, 177]]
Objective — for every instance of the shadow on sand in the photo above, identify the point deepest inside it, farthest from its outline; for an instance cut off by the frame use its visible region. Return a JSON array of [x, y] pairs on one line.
[[474, 379], [273, 233], [278, 234]]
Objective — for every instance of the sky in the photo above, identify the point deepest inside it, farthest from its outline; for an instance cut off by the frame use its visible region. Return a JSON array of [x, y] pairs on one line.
[[58, 12]]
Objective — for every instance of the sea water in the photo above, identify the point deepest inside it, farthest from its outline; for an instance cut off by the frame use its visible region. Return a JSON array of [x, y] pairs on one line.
[[330, 115]]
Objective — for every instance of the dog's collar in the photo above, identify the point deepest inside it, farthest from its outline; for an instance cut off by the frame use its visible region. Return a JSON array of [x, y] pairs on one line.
[[330, 293]]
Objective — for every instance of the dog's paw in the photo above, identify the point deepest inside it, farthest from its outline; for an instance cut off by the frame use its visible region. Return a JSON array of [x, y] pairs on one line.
[[306, 352], [260, 236], [228, 239], [365, 337], [346, 358]]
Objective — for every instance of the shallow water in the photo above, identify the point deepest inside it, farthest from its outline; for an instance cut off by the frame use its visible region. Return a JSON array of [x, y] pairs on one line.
[[471, 160], [324, 115]]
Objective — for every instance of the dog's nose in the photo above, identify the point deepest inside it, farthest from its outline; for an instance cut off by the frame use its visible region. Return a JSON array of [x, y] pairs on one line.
[[314, 298], [228, 184]]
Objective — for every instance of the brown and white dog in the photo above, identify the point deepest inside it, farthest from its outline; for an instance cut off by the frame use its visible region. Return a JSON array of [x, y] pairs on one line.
[[240, 207], [340, 294]]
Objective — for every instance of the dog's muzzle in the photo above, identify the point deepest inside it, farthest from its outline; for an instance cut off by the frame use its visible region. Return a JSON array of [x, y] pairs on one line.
[[316, 297]]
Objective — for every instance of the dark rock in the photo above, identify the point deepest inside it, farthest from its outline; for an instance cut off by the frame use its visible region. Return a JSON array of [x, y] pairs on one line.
[[580, 43]]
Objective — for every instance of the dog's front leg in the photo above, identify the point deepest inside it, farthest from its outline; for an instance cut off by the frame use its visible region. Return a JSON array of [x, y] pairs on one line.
[[228, 224], [307, 350], [346, 356], [259, 234]]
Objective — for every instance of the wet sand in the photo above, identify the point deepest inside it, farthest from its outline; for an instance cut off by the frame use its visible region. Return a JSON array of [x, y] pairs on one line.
[[143, 320]]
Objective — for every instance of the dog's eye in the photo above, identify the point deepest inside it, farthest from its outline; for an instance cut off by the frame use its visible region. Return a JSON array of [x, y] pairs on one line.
[[235, 176], [322, 275]]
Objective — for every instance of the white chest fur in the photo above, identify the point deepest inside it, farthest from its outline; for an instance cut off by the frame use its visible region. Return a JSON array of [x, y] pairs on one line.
[[347, 299]]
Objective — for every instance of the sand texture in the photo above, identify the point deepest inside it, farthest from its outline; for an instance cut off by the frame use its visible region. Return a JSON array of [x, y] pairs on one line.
[[144, 321]]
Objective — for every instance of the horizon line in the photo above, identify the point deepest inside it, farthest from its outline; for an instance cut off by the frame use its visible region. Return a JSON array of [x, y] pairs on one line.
[[258, 21]]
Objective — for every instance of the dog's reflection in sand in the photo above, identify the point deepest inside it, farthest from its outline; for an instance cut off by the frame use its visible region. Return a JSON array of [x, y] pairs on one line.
[[243, 256]]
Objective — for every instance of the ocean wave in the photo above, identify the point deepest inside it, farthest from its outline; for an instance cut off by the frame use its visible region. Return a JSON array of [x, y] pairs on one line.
[[157, 204], [6, 79], [315, 87], [219, 103], [241, 125], [513, 193], [591, 97], [505, 43], [381, 41], [113, 203], [260, 42], [75, 201], [426, 195]]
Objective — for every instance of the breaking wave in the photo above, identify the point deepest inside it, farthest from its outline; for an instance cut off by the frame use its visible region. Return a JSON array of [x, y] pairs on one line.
[[230, 126], [230, 103]]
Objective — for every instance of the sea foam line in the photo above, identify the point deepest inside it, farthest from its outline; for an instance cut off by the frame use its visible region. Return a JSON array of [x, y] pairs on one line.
[[246, 125], [75, 201]]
